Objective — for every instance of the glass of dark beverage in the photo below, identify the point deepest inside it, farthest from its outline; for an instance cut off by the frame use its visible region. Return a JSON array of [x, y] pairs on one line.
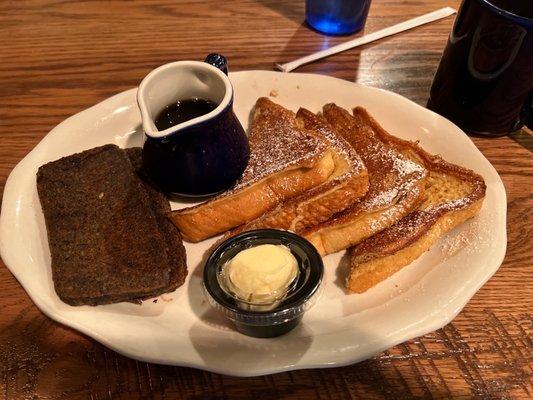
[[484, 82]]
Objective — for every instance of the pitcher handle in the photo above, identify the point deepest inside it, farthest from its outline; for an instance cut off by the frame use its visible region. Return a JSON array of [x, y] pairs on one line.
[[218, 60]]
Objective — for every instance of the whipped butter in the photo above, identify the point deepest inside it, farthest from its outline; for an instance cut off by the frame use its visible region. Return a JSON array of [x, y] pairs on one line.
[[261, 274]]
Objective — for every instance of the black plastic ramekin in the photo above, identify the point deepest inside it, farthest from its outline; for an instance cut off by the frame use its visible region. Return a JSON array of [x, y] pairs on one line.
[[286, 314]]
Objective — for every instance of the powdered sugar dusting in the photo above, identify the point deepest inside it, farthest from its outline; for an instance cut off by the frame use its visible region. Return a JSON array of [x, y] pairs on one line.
[[377, 223], [410, 224], [382, 198], [276, 143], [454, 204], [452, 245], [405, 166], [471, 240], [383, 217], [446, 190], [391, 174], [318, 125]]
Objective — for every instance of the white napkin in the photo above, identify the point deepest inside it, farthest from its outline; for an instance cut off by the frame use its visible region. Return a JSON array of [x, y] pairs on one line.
[[391, 30]]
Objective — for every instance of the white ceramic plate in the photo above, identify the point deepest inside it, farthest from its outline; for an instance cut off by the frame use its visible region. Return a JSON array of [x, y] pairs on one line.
[[181, 328]]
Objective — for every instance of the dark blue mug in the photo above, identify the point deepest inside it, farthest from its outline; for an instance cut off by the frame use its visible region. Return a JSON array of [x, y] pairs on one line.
[[201, 156], [484, 82]]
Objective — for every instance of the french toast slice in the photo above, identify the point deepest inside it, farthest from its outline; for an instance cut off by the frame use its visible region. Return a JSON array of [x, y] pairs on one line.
[[452, 195], [285, 161], [347, 183], [396, 186]]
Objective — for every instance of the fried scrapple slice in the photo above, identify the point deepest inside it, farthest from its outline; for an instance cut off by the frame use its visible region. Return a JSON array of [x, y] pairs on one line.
[[452, 195], [396, 186], [105, 240], [347, 183], [161, 207], [285, 161]]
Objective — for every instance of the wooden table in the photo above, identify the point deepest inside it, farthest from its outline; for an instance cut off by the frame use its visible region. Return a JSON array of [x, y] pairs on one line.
[[59, 57]]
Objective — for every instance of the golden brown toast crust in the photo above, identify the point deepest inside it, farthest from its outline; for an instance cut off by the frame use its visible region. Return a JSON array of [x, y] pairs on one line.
[[348, 182], [284, 162], [396, 186], [453, 194], [381, 264]]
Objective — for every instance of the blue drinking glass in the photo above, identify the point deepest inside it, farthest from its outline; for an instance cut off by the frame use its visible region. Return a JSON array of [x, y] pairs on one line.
[[336, 17]]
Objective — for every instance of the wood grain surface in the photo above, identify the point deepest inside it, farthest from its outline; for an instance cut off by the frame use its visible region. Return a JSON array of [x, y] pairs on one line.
[[59, 57]]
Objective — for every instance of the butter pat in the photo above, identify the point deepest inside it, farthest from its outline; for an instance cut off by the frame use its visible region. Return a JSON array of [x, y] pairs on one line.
[[261, 274]]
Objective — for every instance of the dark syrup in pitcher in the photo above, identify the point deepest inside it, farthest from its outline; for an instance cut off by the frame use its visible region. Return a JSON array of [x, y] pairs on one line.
[[183, 110]]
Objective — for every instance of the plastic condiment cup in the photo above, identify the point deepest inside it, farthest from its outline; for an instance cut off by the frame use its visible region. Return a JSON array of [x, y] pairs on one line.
[[265, 320]]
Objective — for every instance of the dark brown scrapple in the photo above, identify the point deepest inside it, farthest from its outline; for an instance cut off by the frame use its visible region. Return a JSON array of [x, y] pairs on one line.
[[161, 207], [109, 237]]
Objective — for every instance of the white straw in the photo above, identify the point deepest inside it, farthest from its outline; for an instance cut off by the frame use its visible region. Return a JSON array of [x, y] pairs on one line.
[[391, 30]]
